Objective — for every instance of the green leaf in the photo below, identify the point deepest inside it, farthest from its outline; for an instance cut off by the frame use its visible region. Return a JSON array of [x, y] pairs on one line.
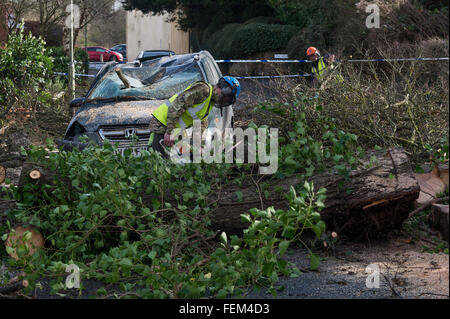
[[126, 263], [10, 250], [152, 254], [75, 183], [307, 186], [315, 262], [239, 196], [223, 238], [310, 171], [268, 269], [101, 291], [246, 218], [289, 232], [283, 246]]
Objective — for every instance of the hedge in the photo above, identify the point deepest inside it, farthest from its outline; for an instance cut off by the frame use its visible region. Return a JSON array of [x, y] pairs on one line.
[[240, 40]]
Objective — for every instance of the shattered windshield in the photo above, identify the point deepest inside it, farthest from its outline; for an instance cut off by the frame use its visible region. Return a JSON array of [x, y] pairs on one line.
[[157, 81]]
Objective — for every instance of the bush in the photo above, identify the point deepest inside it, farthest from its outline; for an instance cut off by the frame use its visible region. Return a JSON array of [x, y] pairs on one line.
[[254, 38], [138, 240], [240, 40], [61, 60], [391, 104], [25, 71]]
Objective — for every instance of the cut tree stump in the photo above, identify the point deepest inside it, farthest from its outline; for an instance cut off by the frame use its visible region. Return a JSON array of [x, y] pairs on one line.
[[35, 173], [371, 201], [16, 239], [433, 183]]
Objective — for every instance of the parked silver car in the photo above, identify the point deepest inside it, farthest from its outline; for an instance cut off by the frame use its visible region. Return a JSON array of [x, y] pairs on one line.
[[120, 112]]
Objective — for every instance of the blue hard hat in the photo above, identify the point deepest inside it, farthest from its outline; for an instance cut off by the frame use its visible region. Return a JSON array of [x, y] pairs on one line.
[[235, 85]]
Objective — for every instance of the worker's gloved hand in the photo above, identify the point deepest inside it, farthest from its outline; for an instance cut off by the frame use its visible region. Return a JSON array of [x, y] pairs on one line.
[[168, 139]]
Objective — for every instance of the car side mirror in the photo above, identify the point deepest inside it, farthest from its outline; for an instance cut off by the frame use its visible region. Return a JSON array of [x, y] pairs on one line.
[[77, 102]]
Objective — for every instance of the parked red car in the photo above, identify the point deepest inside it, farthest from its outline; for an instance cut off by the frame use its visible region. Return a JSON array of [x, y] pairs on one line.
[[95, 54]]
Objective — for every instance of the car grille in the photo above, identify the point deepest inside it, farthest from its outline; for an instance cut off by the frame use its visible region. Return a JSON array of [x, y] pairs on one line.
[[126, 136]]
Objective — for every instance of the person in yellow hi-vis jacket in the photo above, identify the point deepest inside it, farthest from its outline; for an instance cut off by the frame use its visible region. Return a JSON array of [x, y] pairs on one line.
[[194, 103], [320, 65]]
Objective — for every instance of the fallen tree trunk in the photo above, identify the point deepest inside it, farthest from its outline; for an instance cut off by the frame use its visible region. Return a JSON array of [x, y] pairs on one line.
[[372, 200], [13, 287]]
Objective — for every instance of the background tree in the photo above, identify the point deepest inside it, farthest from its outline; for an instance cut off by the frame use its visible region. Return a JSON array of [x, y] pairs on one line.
[[13, 12], [108, 29], [200, 14], [51, 13]]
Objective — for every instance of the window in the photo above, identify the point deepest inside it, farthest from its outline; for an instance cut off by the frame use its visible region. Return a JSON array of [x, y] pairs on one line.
[[157, 82]]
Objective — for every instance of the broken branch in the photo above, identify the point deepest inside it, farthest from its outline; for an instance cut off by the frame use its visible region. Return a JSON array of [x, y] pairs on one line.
[[123, 78]]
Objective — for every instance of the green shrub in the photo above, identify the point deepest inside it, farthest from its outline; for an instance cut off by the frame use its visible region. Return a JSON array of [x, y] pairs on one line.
[[256, 37], [115, 221], [240, 40], [25, 72], [61, 60]]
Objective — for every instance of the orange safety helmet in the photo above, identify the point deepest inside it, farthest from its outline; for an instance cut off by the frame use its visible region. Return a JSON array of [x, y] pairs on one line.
[[311, 51]]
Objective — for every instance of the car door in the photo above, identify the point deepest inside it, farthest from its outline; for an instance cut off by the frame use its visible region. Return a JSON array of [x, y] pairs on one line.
[[93, 56], [102, 52]]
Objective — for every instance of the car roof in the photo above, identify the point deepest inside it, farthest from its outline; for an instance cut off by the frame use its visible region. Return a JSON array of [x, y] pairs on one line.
[[155, 51]]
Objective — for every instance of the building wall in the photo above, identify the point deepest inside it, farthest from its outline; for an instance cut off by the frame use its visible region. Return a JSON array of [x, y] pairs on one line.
[[147, 32]]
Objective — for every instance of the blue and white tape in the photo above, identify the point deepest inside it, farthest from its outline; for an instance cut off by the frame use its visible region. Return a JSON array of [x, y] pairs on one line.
[[273, 76], [76, 74], [307, 61], [264, 61], [281, 61]]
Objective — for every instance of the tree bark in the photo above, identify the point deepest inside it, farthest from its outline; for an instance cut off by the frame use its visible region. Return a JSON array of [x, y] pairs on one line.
[[13, 287], [4, 206], [372, 200], [46, 176]]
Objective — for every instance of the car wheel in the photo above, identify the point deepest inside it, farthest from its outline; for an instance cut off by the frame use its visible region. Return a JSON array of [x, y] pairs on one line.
[[113, 58]]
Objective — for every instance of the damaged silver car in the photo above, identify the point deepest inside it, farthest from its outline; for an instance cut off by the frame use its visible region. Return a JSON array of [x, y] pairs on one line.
[[120, 102]]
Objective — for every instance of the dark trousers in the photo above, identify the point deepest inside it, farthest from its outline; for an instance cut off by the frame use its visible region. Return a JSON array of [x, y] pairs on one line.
[[156, 145]]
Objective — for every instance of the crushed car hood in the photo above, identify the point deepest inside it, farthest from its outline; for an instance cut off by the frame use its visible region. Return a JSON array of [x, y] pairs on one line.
[[116, 113]]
